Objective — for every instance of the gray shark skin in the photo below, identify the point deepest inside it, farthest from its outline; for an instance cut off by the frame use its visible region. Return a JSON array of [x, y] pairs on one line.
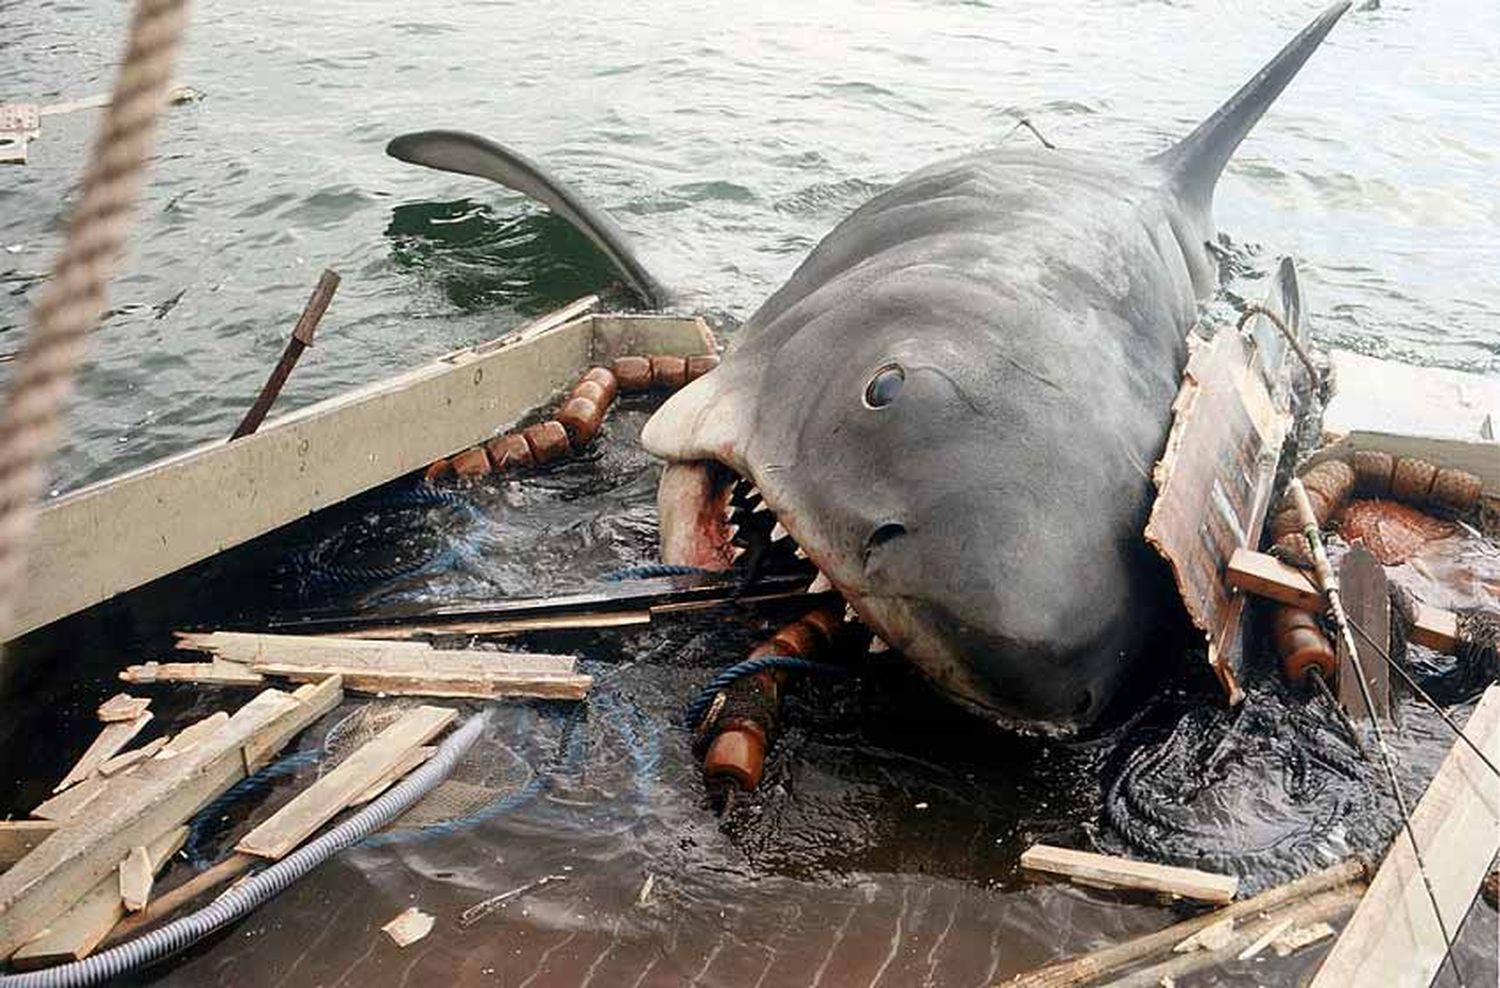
[[954, 404]]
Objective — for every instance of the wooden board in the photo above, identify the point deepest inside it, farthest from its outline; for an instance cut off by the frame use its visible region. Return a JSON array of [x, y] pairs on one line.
[[1111, 872], [77, 932], [321, 801], [123, 706], [315, 699], [1214, 479], [186, 508], [1367, 601], [71, 801], [136, 872], [1393, 937], [18, 837], [400, 770], [316, 652], [111, 739], [206, 673], [189, 737], [1266, 576], [140, 805], [124, 760]]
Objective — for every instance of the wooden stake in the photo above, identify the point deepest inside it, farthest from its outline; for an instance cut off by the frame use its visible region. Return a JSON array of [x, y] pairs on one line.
[[302, 337]]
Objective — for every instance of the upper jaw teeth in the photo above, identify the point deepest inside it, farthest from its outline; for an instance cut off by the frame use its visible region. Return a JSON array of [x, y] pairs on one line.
[[779, 532], [820, 583]]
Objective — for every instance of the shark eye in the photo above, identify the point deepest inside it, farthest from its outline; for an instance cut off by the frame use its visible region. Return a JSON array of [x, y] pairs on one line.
[[884, 386]]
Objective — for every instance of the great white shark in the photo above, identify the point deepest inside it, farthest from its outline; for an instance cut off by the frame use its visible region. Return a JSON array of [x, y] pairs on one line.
[[953, 405]]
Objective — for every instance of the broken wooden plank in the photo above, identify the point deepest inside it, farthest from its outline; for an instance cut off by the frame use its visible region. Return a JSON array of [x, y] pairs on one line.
[[411, 760], [1113, 872], [18, 837], [1088, 968], [123, 761], [316, 700], [547, 686], [206, 673], [111, 739], [76, 933], [1394, 937], [136, 879], [190, 736], [1214, 479], [183, 509], [1266, 576], [503, 626], [71, 801], [255, 650], [321, 801], [143, 803], [123, 706], [408, 927], [1367, 601]]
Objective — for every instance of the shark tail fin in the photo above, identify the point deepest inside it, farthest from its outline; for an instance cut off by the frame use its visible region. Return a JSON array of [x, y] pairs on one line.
[[1194, 163], [469, 154]]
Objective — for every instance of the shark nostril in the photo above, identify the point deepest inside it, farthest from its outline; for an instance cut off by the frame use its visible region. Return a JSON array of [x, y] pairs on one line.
[[885, 533]]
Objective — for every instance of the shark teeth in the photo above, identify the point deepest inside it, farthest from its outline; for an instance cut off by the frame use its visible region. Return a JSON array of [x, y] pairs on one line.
[[820, 584], [850, 615], [878, 645], [779, 532], [799, 553], [735, 552], [759, 507]]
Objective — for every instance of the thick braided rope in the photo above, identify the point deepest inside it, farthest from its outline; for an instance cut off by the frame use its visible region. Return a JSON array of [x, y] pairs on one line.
[[72, 301]]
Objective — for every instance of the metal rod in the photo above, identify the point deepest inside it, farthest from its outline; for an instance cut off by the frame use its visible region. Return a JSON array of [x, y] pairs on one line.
[[1328, 583], [302, 337], [1423, 695]]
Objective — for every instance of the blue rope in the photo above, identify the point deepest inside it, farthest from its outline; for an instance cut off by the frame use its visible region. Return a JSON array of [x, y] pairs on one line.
[[209, 821], [695, 711], [652, 570]]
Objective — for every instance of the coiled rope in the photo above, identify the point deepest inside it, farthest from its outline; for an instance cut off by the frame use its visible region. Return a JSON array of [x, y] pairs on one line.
[[74, 298]]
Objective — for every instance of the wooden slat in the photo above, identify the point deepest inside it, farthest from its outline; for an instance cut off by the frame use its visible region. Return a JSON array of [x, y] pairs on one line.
[[123, 706], [1367, 601], [111, 739], [71, 801], [207, 673], [256, 650], [190, 736], [1112, 872], [77, 932], [141, 804], [1266, 576], [433, 680], [321, 801], [412, 759], [1394, 938], [136, 872], [178, 511], [18, 837], [315, 701]]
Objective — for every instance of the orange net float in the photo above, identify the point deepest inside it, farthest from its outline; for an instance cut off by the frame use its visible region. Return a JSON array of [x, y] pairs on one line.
[[1412, 480], [632, 373], [745, 725], [1301, 644], [509, 453]]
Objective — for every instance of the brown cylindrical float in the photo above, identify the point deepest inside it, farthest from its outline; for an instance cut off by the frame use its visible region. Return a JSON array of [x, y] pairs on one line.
[[737, 754], [592, 390], [633, 374], [1412, 480], [471, 463], [701, 364], [437, 470], [602, 377], [1301, 644], [581, 418], [509, 453], [1372, 472], [548, 441], [668, 373], [1456, 490]]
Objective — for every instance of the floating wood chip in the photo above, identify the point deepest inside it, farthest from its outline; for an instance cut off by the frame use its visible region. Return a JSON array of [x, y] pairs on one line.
[[108, 744], [321, 801], [1122, 873], [1393, 937], [1298, 937], [1265, 940], [18, 837], [123, 706], [133, 808], [1214, 480], [1215, 937], [409, 927], [76, 933]]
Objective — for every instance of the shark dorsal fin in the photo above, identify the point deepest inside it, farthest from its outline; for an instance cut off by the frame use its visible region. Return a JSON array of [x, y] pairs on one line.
[[1194, 163], [470, 154]]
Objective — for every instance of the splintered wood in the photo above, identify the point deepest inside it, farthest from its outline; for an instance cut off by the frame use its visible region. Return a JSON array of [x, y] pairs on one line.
[[321, 801], [101, 821], [1122, 873], [408, 927], [1214, 480], [111, 739], [396, 668]]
